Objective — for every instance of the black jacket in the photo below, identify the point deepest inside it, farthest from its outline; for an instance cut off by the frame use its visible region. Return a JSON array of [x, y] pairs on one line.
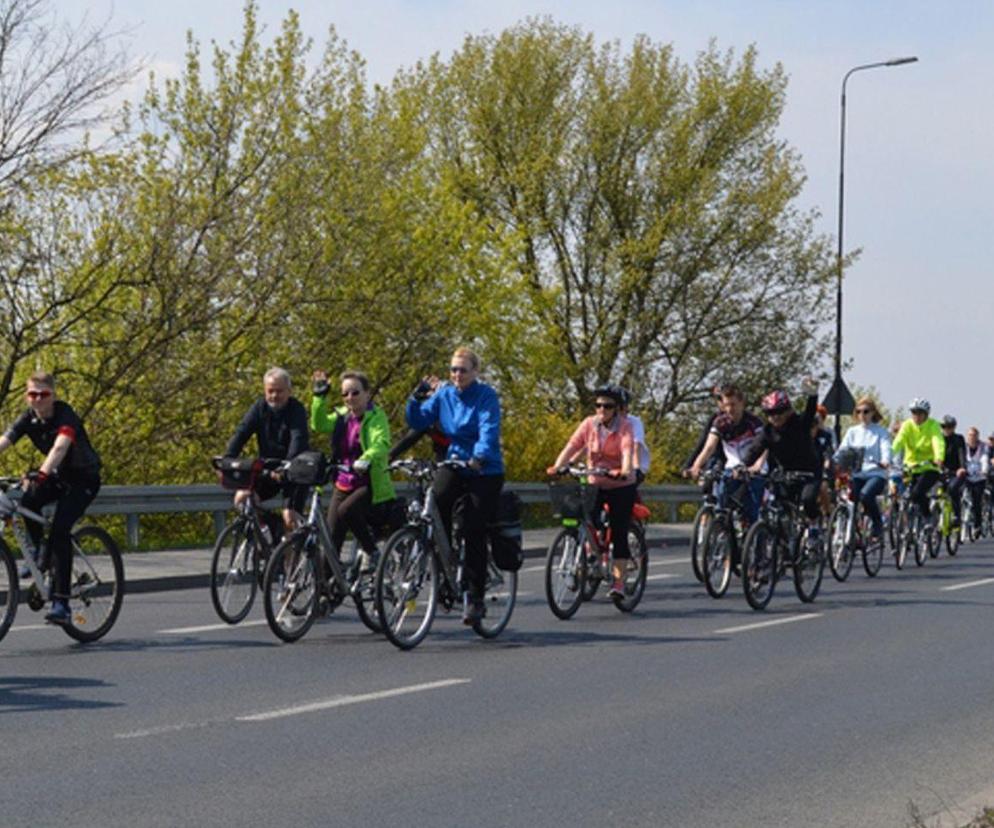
[[792, 447], [282, 434]]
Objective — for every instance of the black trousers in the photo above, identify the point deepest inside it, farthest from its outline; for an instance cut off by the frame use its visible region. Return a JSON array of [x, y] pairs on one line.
[[807, 495], [349, 512], [977, 494], [619, 517], [955, 490], [479, 506], [920, 488], [71, 500]]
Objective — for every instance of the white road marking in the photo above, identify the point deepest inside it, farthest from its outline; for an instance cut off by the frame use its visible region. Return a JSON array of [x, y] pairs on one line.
[[211, 627], [341, 701], [967, 585], [155, 731], [534, 568], [659, 577], [30, 627], [771, 623]]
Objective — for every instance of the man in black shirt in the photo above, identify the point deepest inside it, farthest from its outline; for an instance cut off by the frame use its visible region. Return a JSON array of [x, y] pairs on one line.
[[955, 464], [69, 476], [279, 423]]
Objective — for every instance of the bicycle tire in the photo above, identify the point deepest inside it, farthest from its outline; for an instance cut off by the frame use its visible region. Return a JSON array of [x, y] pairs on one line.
[[234, 572], [634, 577], [407, 588], [290, 589], [951, 533], [903, 540], [500, 595], [759, 565], [938, 531], [873, 556], [922, 538], [365, 607], [96, 591], [840, 553], [565, 573], [698, 535], [10, 590], [809, 566], [717, 556]]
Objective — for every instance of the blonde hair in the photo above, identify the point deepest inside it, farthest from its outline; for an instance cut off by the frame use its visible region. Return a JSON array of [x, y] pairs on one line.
[[466, 353], [867, 402], [43, 378]]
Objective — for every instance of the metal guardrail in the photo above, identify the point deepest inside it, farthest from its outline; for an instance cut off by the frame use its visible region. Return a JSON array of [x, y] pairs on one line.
[[135, 501]]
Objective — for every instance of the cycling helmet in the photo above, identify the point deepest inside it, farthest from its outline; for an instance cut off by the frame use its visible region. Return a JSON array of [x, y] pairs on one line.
[[624, 395], [949, 421], [775, 402], [919, 404], [612, 392]]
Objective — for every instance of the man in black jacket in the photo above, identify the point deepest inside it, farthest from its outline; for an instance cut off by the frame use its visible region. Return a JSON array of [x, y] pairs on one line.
[[954, 464], [279, 423]]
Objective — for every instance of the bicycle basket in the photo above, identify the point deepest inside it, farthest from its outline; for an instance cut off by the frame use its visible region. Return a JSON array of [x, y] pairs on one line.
[[238, 472], [309, 468], [850, 459], [572, 500]]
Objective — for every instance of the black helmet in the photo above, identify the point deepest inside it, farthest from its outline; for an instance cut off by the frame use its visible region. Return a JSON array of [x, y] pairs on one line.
[[949, 421], [625, 396], [612, 392]]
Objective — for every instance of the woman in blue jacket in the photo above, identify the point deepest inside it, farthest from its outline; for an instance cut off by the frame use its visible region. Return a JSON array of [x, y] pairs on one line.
[[467, 411]]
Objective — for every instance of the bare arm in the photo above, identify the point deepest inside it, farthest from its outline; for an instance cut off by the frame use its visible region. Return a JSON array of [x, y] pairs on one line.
[[56, 455]]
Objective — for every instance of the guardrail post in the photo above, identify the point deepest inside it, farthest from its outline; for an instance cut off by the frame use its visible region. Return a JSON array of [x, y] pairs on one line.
[[673, 511], [220, 519], [133, 533]]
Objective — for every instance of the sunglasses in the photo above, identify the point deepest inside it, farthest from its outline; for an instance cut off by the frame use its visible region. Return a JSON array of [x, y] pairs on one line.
[[39, 395], [605, 405], [458, 369], [354, 392], [864, 411]]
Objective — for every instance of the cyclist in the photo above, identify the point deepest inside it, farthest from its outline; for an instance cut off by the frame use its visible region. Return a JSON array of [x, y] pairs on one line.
[[825, 444], [718, 458], [868, 482], [920, 439], [69, 476], [279, 423], [733, 432], [788, 440], [977, 469], [468, 412], [641, 458], [608, 441], [360, 437], [954, 463]]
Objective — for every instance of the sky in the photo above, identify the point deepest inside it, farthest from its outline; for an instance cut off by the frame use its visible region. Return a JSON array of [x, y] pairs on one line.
[[919, 162]]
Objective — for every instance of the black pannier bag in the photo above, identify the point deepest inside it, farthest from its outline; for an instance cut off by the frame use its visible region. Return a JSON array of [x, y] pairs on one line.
[[308, 468], [388, 516], [238, 472], [505, 533]]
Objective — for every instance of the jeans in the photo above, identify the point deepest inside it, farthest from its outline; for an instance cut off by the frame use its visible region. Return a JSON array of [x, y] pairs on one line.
[[747, 496], [866, 488]]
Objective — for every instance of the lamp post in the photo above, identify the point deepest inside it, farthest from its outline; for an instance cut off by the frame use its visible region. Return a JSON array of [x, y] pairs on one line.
[[837, 386]]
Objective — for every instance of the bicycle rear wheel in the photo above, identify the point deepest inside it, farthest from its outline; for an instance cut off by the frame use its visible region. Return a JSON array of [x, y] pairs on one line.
[[717, 556], [290, 589], [809, 565], [406, 588], [873, 555], [96, 590], [500, 594], [364, 598], [636, 570], [923, 537], [698, 535], [839, 552], [9, 589], [950, 531], [565, 573], [234, 571], [759, 565]]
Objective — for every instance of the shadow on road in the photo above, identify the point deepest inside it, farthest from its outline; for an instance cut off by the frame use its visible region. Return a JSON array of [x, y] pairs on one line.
[[24, 694]]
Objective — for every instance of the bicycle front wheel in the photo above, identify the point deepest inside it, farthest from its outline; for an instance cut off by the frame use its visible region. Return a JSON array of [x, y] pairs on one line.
[[636, 570], [809, 565], [873, 555], [565, 573], [759, 565], [698, 535], [9, 589], [500, 594], [96, 590], [717, 556], [234, 572], [290, 589], [406, 590], [839, 552]]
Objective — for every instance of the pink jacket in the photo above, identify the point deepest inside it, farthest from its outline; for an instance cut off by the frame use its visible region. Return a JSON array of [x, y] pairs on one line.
[[607, 452]]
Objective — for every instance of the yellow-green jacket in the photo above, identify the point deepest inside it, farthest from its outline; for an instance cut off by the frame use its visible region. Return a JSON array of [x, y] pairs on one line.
[[921, 444]]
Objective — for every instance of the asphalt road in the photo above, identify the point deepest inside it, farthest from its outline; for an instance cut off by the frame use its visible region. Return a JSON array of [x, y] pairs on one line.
[[685, 713]]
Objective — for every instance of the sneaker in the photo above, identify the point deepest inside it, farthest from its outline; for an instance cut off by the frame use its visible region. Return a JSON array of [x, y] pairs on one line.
[[474, 611], [59, 614], [617, 589], [368, 561]]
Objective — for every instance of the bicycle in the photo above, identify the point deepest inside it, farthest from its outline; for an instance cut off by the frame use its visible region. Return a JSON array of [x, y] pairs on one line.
[[421, 568], [296, 587], [912, 532], [943, 518], [244, 545], [781, 539], [96, 588], [702, 520], [581, 554], [970, 529], [723, 543]]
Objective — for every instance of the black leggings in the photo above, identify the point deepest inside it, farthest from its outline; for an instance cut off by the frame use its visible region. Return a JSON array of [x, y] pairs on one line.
[[920, 488], [349, 512], [619, 502], [71, 500], [807, 495], [478, 509]]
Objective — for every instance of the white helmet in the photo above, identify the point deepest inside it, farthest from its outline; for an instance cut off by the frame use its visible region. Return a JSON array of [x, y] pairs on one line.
[[919, 404]]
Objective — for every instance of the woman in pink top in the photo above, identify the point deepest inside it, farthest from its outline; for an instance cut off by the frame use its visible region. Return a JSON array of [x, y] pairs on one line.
[[607, 440]]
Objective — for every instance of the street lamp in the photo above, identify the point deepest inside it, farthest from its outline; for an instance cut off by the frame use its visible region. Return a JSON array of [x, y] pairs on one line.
[[839, 394]]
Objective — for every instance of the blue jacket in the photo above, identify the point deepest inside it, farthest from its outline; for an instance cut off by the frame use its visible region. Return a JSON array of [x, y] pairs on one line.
[[471, 419]]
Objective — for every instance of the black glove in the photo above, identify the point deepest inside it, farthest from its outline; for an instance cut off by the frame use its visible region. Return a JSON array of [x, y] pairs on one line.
[[422, 391], [639, 477], [321, 388]]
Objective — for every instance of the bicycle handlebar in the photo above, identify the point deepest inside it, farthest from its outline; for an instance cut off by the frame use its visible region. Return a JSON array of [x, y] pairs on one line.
[[583, 471]]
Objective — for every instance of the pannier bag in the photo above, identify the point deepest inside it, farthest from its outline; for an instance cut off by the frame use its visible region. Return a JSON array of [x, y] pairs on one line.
[[387, 517], [505, 533], [238, 472], [307, 469]]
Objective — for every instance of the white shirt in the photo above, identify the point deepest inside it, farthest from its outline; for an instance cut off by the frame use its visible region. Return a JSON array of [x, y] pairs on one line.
[[638, 432]]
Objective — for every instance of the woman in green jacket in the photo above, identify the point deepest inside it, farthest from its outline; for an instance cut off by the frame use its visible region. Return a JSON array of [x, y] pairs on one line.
[[360, 438]]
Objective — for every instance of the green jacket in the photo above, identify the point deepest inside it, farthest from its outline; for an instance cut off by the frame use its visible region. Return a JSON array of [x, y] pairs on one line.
[[374, 438], [922, 444]]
